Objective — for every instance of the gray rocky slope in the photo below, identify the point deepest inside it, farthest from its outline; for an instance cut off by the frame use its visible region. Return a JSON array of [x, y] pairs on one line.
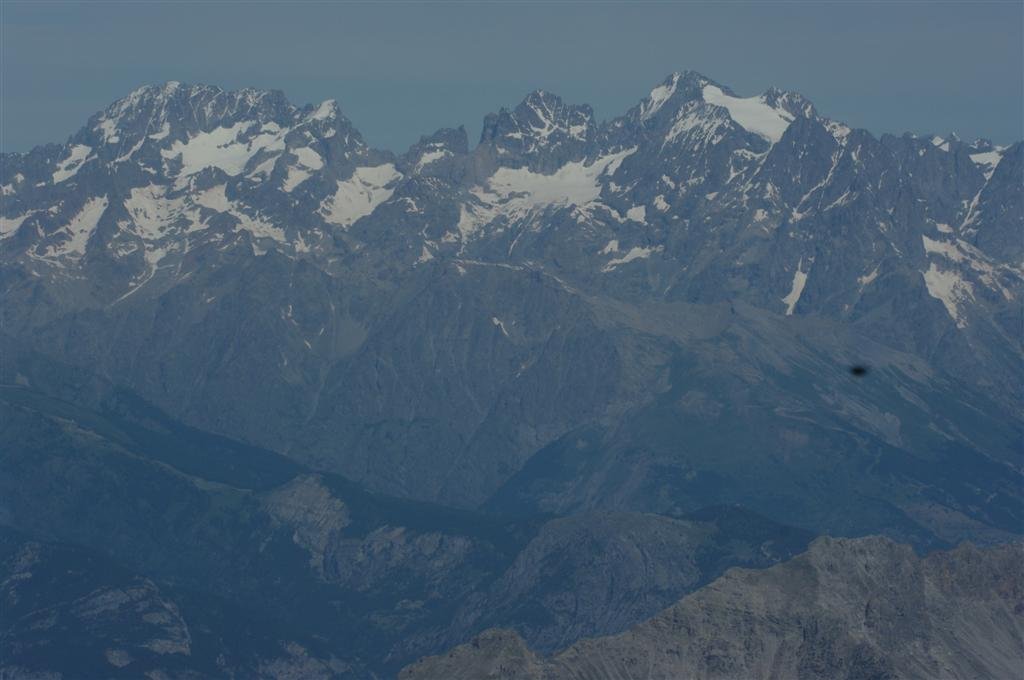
[[848, 608]]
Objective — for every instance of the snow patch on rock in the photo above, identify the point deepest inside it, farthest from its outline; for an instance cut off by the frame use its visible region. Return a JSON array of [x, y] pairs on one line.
[[796, 289], [988, 161], [516, 193], [752, 113], [79, 229], [638, 213], [225, 148], [360, 195], [950, 289], [429, 157], [68, 167], [658, 97], [635, 253]]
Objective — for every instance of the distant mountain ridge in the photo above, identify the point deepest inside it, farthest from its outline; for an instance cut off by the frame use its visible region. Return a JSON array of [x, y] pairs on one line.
[[191, 164]]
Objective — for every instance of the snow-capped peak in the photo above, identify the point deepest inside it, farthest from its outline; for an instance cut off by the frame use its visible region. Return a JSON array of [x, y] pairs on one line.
[[677, 89], [446, 143], [328, 110], [659, 95], [542, 122], [545, 114]]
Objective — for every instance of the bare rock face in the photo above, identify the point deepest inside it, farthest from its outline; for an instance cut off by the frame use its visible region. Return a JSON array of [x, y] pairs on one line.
[[847, 608], [368, 563], [316, 516], [593, 574], [68, 612], [296, 663], [495, 654], [126, 616]]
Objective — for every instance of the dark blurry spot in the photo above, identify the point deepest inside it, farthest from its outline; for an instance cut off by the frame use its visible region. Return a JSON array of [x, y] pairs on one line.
[[859, 370]]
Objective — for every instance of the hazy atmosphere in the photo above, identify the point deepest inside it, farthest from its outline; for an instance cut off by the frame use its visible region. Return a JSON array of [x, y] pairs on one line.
[[671, 362], [400, 70]]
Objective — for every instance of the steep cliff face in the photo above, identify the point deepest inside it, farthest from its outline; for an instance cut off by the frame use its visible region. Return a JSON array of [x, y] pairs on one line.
[[847, 608]]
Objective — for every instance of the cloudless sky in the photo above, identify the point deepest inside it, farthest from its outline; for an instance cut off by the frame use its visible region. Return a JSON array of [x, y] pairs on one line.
[[403, 69]]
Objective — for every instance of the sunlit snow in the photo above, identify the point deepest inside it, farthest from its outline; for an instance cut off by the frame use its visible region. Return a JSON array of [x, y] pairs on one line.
[[658, 97], [947, 287], [70, 165], [9, 225], [634, 253], [517, 193], [751, 113], [108, 126], [498, 322], [222, 148], [309, 158], [867, 279], [151, 212], [164, 130], [942, 248], [79, 229], [987, 161], [360, 195], [325, 111], [797, 288], [429, 157], [638, 213], [296, 176]]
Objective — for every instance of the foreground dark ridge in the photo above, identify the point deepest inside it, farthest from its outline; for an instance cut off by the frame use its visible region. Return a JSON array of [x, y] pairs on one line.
[[864, 608]]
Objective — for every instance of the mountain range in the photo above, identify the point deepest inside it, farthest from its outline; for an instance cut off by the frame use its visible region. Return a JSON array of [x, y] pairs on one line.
[[553, 382]]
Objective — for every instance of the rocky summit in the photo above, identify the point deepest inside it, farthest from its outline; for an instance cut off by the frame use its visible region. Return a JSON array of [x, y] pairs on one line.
[[552, 382]]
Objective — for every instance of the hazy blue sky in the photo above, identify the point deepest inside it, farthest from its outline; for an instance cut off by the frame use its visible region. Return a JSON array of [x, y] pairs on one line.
[[400, 70]]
